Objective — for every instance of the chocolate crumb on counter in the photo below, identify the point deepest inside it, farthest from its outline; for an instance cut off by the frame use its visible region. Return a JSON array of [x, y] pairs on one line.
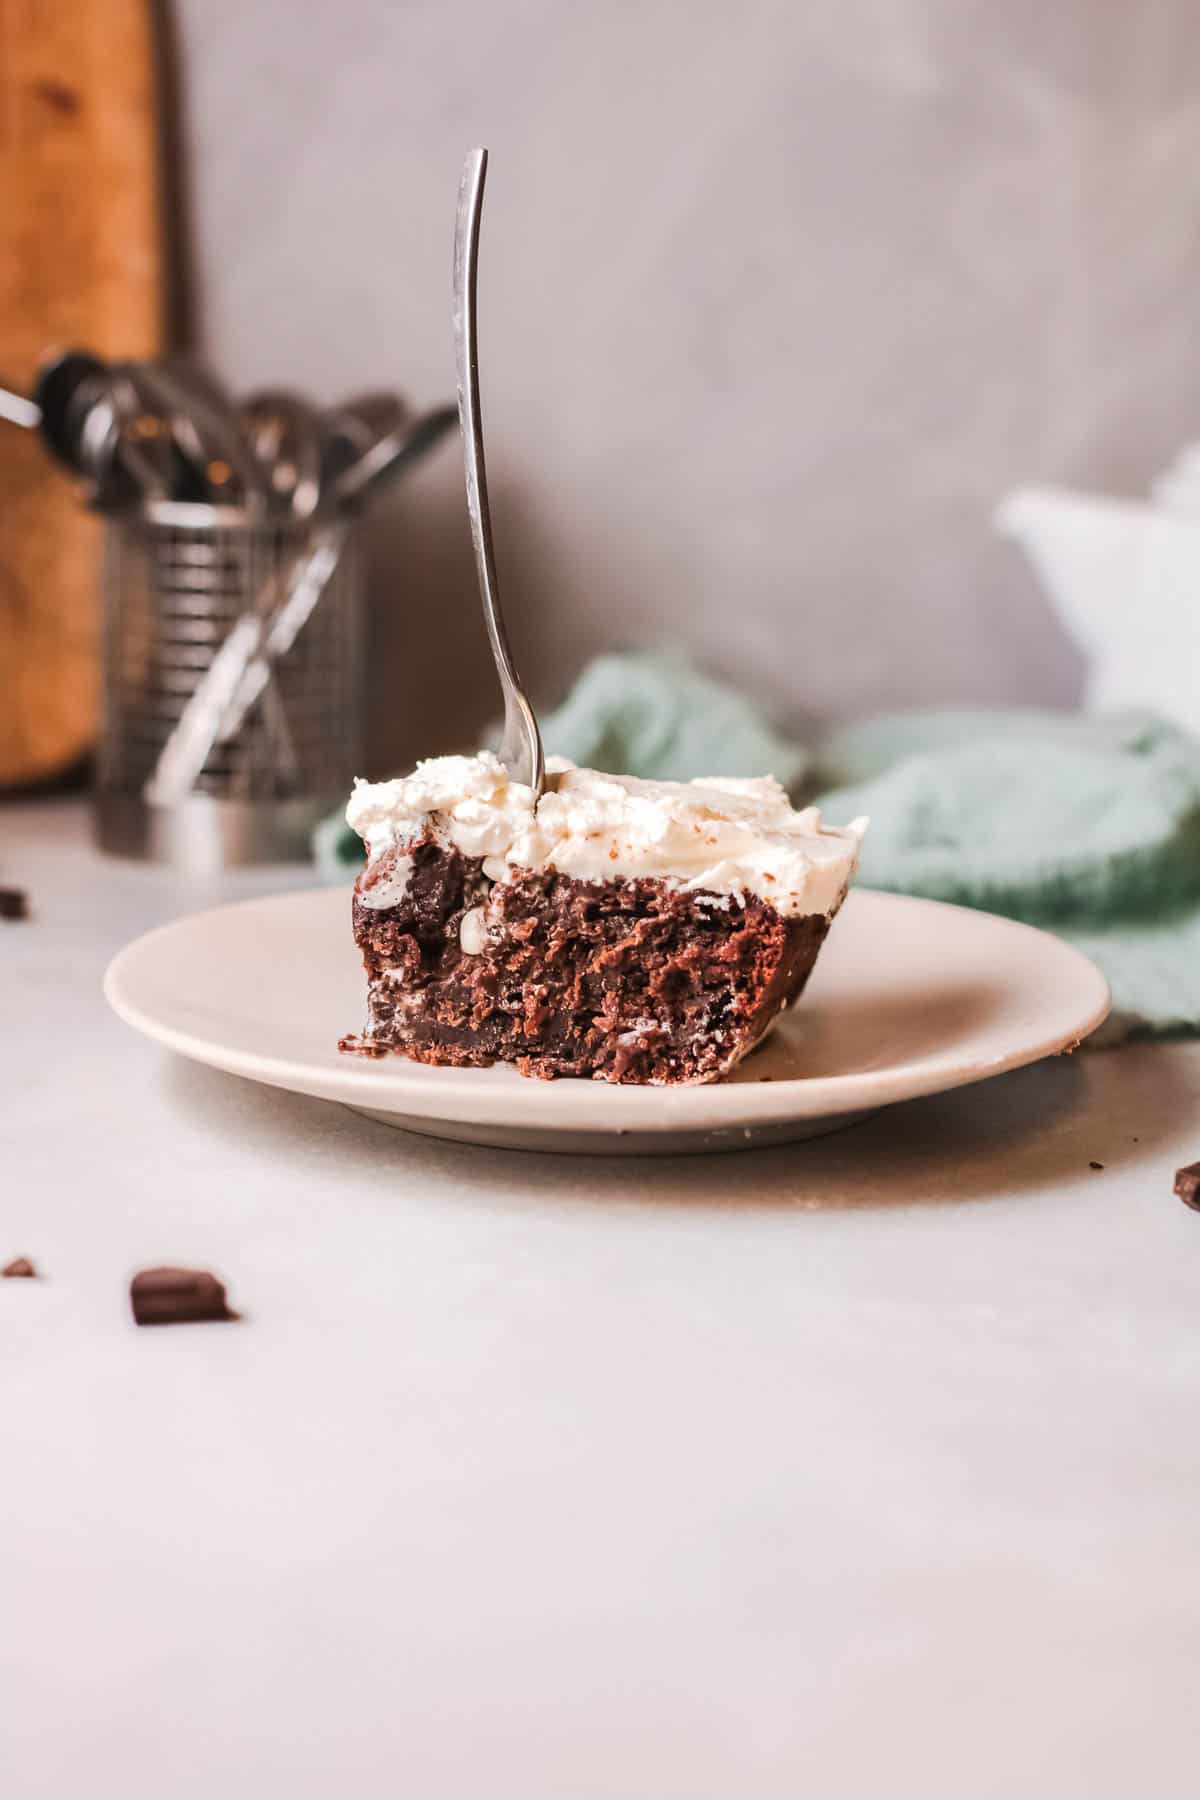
[[177, 1297], [19, 1269], [1095, 1165], [1187, 1185], [14, 903]]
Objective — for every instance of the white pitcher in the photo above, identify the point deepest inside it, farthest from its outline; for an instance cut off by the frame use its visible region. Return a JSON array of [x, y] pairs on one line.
[[1124, 578]]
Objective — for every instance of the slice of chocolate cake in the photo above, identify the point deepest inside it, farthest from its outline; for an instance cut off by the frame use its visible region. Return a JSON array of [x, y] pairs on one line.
[[639, 931]]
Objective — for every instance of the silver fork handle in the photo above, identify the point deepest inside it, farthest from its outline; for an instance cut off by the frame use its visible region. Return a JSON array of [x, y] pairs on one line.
[[521, 745]]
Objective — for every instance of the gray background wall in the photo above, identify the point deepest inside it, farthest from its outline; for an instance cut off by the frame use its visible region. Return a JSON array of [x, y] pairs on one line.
[[777, 298]]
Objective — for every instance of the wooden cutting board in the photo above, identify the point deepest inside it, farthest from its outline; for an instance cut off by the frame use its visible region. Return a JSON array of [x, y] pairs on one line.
[[83, 265]]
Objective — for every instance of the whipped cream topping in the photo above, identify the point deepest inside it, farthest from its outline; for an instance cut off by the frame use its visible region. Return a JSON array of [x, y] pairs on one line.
[[717, 836]]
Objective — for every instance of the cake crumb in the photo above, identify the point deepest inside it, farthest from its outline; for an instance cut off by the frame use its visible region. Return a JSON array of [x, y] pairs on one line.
[[1187, 1185], [14, 903], [19, 1269]]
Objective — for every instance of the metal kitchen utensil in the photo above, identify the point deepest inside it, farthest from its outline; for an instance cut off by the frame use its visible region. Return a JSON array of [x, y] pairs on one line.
[[147, 441], [181, 583], [349, 430], [19, 409], [168, 431], [206, 434], [108, 483], [108, 420], [390, 454], [92, 420], [521, 744], [63, 389], [125, 450], [285, 433], [197, 378]]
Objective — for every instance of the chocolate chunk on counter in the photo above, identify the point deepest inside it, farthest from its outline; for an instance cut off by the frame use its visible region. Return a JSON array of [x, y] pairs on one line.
[[14, 903], [19, 1269], [177, 1297], [1187, 1185]]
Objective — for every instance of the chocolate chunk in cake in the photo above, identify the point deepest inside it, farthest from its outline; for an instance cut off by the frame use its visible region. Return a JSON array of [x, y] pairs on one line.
[[177, 1297], [644, 932]]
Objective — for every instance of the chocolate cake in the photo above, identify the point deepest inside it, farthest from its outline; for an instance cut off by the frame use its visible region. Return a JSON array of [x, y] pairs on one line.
[[625, 930]]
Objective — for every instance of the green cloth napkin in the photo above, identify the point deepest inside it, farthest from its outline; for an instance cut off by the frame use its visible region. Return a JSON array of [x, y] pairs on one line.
[[1087, 825]]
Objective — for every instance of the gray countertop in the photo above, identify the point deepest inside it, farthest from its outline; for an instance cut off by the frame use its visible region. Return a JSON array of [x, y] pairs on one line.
[[868, 1464]]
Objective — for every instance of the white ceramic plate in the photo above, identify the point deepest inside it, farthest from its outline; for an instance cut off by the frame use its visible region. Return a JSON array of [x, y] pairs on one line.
[[909, 997]]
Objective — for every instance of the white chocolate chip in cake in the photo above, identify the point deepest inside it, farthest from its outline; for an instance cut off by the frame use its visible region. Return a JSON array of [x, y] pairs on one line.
[[473, 931], [389, 887]]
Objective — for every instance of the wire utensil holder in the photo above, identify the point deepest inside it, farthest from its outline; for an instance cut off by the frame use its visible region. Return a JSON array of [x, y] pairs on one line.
[[232, 680]]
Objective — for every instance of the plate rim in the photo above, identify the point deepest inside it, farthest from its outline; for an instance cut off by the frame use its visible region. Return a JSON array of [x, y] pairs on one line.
[[644, 1110]]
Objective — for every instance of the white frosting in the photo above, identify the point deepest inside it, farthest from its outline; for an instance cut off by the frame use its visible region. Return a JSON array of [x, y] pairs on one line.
[[723, 837]]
